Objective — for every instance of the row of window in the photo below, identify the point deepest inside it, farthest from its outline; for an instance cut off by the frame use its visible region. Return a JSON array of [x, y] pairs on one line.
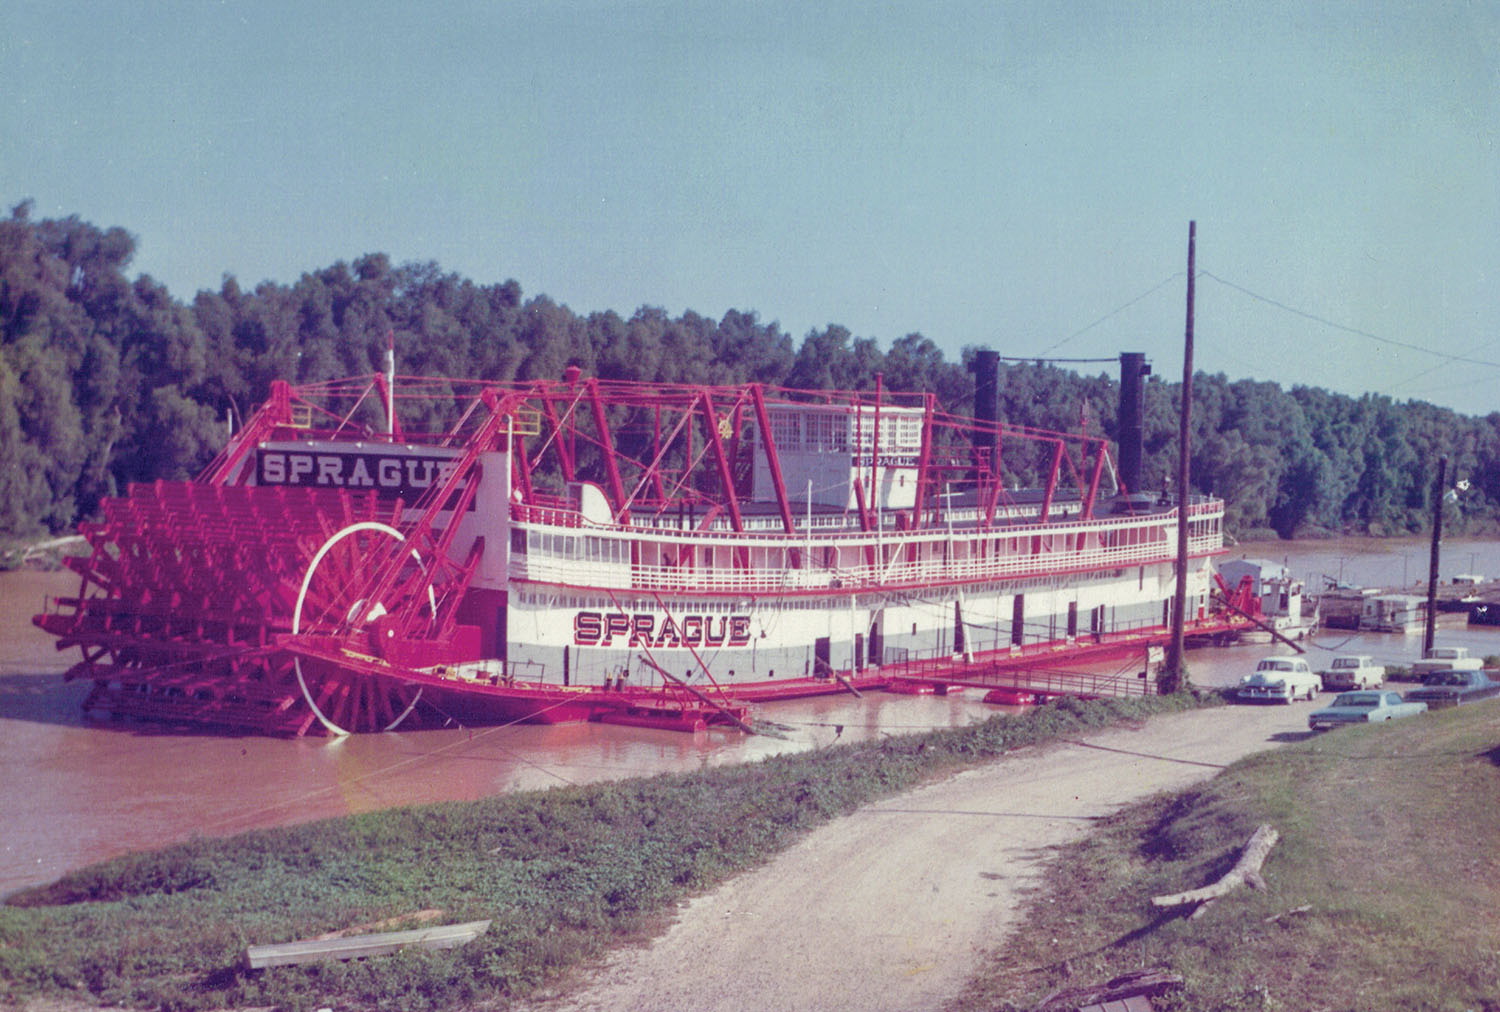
[[838, 432], [818, 603], [592, 549]]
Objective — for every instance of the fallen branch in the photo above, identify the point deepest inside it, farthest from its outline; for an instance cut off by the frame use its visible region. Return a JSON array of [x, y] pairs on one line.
[[1287, 913], [1143, 983], [1246, 871]]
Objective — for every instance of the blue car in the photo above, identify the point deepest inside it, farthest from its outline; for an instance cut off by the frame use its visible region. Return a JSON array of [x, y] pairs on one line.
[[1365, 707]]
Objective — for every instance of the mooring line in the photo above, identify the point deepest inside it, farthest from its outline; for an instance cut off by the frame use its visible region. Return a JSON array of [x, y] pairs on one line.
[[878, 810], [1144, 755]]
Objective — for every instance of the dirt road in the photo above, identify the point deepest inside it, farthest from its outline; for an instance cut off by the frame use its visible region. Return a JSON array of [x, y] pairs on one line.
[[891, 907]]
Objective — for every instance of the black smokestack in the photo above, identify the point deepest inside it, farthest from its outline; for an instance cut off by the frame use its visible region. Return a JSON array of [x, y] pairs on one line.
[[986, 368], [1133, 373]]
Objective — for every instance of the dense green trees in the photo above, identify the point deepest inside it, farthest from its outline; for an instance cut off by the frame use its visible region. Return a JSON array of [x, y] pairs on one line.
[[105, 380]]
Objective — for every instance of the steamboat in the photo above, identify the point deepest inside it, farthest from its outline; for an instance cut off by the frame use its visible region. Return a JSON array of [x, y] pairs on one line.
[[380, 553]]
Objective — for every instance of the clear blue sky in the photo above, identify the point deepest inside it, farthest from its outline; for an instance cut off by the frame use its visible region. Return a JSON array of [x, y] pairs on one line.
[[991, 174]]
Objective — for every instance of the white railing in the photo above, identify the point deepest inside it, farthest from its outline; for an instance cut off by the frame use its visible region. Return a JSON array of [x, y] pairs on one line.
[[1156, 541]]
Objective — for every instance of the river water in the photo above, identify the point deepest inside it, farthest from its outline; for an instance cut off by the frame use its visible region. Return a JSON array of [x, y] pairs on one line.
[[73, 792]]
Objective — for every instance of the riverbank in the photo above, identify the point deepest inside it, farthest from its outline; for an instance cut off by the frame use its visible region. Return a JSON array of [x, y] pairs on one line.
[[564, 874], [896, 907], [1382, 895]]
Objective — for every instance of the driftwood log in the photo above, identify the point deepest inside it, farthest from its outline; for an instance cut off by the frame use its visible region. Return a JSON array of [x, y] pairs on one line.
[[1246, 871], [448, 936]]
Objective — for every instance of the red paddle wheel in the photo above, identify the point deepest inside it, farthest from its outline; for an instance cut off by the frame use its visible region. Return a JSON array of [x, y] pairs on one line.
[[233, 606], [271, 609]]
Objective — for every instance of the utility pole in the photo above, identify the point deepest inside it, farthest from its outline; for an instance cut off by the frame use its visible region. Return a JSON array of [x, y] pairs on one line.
[[1176, 674], [1438, 490]]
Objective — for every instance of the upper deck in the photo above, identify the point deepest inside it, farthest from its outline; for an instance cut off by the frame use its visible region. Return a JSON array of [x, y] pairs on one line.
[[563, 548], [749, 489]]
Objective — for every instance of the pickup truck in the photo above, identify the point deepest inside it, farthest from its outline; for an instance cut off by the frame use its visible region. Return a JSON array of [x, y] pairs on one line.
[[1444, 659], [1450, 688], [1353, 672], [1363, 708]]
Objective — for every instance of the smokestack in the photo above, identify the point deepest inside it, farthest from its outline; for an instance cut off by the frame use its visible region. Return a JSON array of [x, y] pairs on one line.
[[986, 368], [1133, 373]]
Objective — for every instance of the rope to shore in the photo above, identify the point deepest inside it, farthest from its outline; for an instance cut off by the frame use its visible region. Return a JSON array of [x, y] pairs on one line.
[[385, 770]]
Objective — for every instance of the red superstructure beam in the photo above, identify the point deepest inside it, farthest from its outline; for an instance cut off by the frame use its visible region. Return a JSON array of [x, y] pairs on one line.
[[1057, 454], [656, 454], [434, 548], [521, 466], [997, 482], [1093, 490], [866, 519], [564, 457], [611, 464], [277, 411], [875, 443], [773, 459], [734, 435], [726, 475], [923, 462]]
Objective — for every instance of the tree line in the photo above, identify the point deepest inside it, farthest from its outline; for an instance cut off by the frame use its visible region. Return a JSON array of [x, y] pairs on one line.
[[107, 380]]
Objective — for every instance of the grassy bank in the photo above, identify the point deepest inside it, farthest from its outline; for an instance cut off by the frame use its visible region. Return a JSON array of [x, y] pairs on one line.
[[563, 874], [1384, 892]]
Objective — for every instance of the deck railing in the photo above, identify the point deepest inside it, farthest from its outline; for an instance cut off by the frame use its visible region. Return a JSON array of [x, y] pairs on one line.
[[1156, 542]]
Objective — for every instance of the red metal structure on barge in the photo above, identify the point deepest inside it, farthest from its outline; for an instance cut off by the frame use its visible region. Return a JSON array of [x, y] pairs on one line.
[[376, 553]]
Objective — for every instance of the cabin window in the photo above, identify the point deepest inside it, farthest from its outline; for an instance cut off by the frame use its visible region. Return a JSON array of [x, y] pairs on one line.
[[518, 541], [909, 432], [786, 430]]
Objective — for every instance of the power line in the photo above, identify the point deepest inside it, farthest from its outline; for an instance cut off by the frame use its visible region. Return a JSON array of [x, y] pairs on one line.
[[1118, 309], [1428, 372], [1033, 358], [1347, 329]]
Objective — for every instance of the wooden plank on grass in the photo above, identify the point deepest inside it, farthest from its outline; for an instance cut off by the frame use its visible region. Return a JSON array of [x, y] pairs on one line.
[[443, 936]]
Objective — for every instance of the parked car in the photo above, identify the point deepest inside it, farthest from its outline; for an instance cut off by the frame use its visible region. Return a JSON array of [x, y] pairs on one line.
[[1365, 707], [1280, 678], [1450, 688], [1444, 659], [1353, 672]]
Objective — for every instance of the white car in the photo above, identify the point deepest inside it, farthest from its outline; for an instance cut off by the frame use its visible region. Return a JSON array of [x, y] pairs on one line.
[[1353, 672], [1445, 659], [1282, 679]]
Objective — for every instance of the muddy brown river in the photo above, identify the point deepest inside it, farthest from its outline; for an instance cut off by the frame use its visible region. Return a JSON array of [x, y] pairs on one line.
[[73, 792]]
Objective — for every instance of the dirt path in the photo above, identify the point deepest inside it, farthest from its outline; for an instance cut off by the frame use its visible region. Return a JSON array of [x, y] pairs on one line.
[[891, 907]]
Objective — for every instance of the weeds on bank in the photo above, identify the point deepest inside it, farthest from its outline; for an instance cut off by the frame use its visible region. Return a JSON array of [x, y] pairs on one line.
[[562, 873], [1383, 891]]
